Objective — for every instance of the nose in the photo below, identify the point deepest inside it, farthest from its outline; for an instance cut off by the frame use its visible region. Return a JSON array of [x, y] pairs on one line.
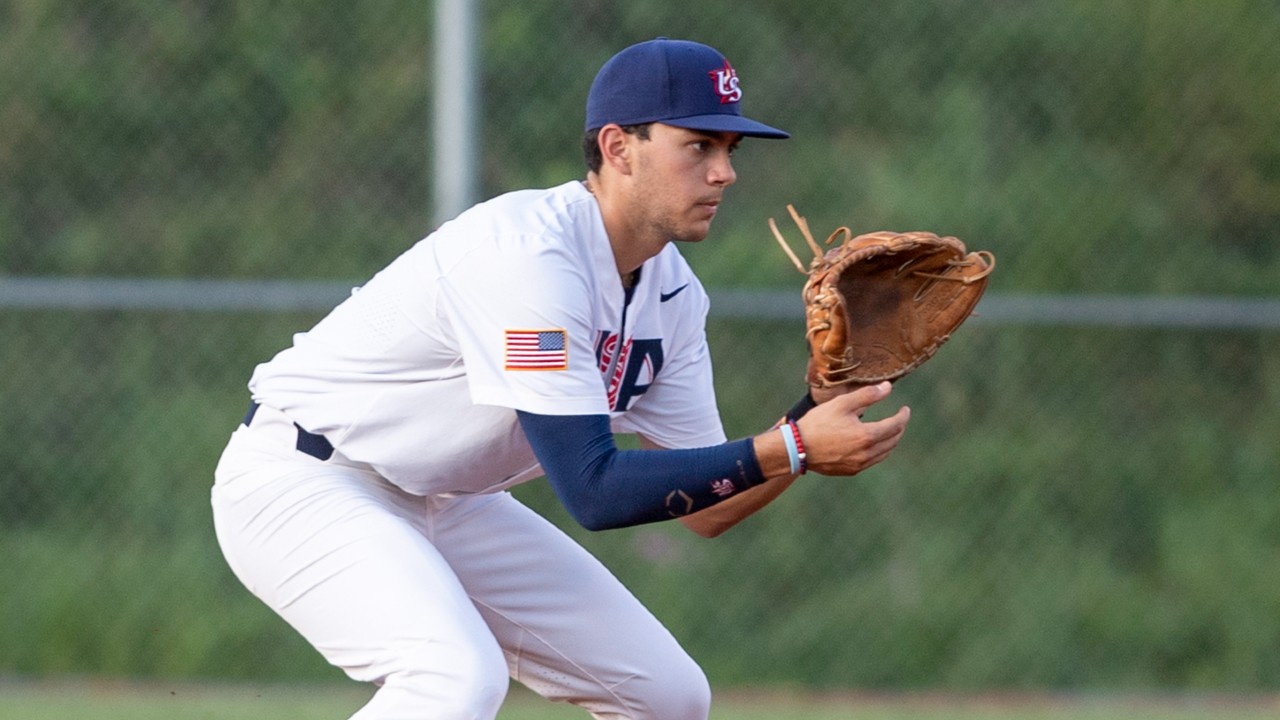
[[721, 173]]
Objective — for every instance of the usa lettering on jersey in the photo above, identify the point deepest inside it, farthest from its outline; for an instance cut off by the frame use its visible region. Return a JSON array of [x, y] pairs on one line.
[[536, 350], [629, 367], [612, 367]]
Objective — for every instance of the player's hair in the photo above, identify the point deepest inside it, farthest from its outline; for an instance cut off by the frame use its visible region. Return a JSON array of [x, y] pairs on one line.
[[591, 144]]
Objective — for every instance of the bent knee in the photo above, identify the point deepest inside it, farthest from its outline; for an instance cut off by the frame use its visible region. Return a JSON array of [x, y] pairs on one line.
[[679, 692], [429, 683]]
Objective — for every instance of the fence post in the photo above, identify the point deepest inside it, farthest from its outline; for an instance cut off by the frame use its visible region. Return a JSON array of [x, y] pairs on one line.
[[456, 81]]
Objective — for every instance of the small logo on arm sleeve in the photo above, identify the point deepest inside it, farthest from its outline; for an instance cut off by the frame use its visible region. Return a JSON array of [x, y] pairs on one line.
[[536, 350]]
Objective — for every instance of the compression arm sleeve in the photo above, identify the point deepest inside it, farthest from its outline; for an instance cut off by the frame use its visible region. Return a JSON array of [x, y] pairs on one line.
[[603, 487]]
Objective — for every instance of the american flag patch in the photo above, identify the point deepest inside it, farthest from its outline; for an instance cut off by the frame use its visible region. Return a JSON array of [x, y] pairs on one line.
[[536, 350]]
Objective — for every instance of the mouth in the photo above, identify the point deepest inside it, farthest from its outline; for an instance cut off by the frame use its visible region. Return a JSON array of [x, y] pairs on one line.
[[709, 206]]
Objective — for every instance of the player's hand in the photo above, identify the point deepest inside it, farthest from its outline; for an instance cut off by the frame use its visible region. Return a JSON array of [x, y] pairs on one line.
[[838, 442]]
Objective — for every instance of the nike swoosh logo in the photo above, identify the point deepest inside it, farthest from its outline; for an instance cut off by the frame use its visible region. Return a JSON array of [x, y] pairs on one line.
[[663, 297]]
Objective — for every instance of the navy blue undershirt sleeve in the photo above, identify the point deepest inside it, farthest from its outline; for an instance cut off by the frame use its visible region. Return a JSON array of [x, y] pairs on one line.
[[603, 487]]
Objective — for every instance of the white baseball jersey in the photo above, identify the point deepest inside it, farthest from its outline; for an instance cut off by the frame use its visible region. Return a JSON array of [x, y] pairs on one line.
[[514, 305]]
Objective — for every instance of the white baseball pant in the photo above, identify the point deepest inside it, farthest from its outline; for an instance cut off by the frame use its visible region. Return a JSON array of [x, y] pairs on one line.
[[437, 600]]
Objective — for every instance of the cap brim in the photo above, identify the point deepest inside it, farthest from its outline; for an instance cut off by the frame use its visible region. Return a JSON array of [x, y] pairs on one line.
[[727, 123]]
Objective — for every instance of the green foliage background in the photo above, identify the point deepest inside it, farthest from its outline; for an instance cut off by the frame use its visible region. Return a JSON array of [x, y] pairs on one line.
[[1072, 507]]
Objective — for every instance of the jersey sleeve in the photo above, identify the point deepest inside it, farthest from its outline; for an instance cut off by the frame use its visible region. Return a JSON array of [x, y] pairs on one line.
[[522, 316]]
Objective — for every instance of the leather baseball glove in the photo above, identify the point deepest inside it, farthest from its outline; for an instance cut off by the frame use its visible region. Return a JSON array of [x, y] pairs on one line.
[[878, 305]]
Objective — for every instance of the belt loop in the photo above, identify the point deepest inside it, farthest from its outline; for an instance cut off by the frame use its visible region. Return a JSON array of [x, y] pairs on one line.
[[248, 416], [317, 446]]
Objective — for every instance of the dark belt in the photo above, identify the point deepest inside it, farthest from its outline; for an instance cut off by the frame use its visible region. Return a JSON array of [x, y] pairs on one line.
[[310, 443]]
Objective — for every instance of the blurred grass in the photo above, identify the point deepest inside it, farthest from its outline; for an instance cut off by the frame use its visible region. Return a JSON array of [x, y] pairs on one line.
[[120, 700]]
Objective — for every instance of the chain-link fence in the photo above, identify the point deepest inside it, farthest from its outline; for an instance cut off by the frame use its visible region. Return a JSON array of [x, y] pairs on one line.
[[1075, 504]]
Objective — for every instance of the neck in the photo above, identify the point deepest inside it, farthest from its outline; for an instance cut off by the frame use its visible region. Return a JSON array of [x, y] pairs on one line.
[[631, 247]]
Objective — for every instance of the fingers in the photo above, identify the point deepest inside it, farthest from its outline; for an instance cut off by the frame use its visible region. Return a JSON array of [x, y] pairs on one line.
[[841, 444], [850, 407], [889, 427], [838, 442], [882, 436], [857, 401], [886, 433]]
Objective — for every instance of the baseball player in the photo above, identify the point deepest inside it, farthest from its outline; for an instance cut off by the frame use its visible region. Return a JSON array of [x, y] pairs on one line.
[[364, 495]]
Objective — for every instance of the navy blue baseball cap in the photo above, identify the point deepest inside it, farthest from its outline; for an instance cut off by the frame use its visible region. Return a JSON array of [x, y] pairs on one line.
[[674, 82]]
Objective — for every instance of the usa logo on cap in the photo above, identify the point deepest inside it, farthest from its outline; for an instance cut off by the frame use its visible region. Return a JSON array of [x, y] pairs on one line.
[[664, 80], [726, 82]]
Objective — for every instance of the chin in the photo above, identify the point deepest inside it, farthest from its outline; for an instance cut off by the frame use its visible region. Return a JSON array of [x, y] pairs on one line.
[[697, 233], [691, 237]]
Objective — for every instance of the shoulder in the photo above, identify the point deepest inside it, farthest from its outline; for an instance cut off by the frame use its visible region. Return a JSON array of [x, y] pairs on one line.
[[543, 237], [549, 211], [562, 218]]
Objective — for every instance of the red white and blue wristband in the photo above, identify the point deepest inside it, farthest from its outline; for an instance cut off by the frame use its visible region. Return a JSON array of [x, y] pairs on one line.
[[795, 447]]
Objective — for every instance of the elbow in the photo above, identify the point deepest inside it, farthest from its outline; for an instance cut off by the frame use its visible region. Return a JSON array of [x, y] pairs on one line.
[[593, 524], [591, 518]]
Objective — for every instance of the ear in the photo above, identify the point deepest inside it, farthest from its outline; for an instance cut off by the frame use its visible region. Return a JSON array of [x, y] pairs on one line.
[[615, 148]]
